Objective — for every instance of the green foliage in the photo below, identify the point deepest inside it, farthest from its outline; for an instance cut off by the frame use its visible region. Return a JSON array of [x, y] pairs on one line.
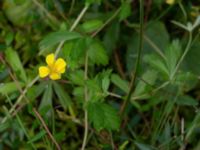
[[37, 137], [111, 37], [144, 87], [156, 40], [102, 116], [186, 100], [193, 58], [46, 102], [54, 38], [97, 53], [89, 2], [123, 85], [63, 97], [125, 11], [92, 25], [17, 13], [77, 77], [13, 59], [7, 88], [100, 102]]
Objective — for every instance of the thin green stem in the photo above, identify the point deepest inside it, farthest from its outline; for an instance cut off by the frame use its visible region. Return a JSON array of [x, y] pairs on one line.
[[46, 128], [20, 98], [79, 18], [71, 7], [138, 58], [155, 47], [131, 25], [152, 44], [107, 22], [20, 123], [183, 10], [86, 99], [52, 18], [165, 116], [183, 56], [72, 28], [151, 92], [53, 125], [161, 15]]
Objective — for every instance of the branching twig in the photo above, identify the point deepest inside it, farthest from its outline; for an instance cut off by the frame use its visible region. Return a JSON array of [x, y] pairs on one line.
[[46, 128]]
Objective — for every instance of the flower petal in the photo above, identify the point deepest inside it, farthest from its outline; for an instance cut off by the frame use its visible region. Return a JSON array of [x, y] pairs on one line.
[[170, 2], [43, 71], [62, 70], [60, 65], [55, 76], [50, 59]]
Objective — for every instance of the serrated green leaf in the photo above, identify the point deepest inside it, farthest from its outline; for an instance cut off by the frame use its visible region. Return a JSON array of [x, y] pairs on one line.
[[103, 116], [187, 80], [97, 53], [63, 97], [125, 11], [79, 92], [78, 50], [92, 25], [186, 100], [66, 53], [46, 102], [77, 77], [14, 60], [111, 37], [56, 37], [157, 64], [96, 117], [143, 87], [94, 90], [191, 61], [172, 55], [35, 91], [156, 40], [105, 84], [112, 120], [122, 84]]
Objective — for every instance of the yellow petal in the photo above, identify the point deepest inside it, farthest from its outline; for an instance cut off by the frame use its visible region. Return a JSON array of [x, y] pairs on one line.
[[60, 65], [170, 2], [50, 59], [62, 70], [43, 71], [55, 76]]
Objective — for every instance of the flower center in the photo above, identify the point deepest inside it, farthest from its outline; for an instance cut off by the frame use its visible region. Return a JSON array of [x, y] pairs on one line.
[[53, 69]]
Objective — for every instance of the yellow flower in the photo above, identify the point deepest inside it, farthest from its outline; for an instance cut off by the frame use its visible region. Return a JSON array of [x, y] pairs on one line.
[[170, 2], [54, 68]]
